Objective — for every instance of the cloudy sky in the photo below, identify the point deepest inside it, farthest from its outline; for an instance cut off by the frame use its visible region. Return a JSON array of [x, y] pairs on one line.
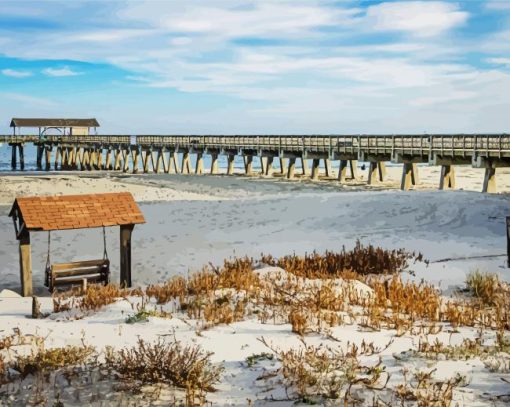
[[298, 66]]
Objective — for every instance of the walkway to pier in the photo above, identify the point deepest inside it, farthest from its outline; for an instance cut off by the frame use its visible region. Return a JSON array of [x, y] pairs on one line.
[[161, 154]]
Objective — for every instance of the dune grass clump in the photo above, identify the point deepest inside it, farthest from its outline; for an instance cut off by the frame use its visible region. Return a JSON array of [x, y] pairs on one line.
[[48, 360], [484, 286], [186, 367], [361, 260]]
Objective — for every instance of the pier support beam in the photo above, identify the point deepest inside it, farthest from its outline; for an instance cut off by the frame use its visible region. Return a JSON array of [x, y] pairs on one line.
[[108, 161], [376, 172], [186, 164], [14, 155], [25, 264], [291, 167], [214, 163], [269, 166], [283, 165], [21, 157], [248, 164], [48, 158], [409, 176], [447, 179], [489, 180], [174, 159], [125, 255], [230, 164], [40, 153], [135, 154], [116, 162], [145, 160], [315, 169], [199, 166], [304, 166], [327, 167]]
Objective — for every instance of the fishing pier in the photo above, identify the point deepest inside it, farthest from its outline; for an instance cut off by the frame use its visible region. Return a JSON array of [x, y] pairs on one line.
[[172, 154]]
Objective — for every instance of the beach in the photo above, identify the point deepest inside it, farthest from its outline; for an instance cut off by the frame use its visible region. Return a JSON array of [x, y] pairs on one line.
[[192, 221]]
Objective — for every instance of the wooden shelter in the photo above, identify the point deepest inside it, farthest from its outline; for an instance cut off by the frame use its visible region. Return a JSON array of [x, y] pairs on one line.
[[71, 127], [49, 213]]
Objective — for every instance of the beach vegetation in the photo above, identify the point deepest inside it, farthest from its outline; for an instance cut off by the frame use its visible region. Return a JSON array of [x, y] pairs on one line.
[[185, 367]]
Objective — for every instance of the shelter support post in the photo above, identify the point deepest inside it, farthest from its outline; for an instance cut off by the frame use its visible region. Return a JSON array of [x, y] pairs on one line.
[[125, 255], [25, 264]]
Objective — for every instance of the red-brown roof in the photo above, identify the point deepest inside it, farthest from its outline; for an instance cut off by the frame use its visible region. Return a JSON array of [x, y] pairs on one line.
[[77, 211]]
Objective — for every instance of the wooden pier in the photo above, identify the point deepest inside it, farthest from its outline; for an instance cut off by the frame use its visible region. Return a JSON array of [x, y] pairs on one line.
[[152, 153]]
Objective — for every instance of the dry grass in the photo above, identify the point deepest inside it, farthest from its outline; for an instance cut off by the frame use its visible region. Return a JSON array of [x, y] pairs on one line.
[[186, 367], [48, 360]]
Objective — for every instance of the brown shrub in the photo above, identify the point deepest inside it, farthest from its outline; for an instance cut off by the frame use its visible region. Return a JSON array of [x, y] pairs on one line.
[[186, 367]]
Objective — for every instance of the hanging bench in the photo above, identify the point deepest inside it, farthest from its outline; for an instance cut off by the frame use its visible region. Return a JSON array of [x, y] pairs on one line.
[[70, 274]]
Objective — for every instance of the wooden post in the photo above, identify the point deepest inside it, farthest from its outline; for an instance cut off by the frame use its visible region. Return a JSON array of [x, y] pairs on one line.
[[135, 154], [230, 166], [21, 157], [14, 151], [248, 162], [327, 167], [214, 163], [40, 152], [186, 164], [354, 169], [58, 154], [283, 164], [290, 170], [304, 166], [269, 165], [48, 157], [108, 164], [342, 170], [125, 255], [154, 162], [315, 169], [25, 264], [175, 160], [372, 173], [199, 166], [508, 240], [36, 308], [409, 176], [145, 160], [489, 180], [447, 179]]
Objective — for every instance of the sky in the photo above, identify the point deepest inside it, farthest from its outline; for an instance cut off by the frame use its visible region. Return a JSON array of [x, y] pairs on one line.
[[259, 67]]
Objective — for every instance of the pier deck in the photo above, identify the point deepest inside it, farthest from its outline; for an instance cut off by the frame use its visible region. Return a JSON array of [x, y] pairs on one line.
[[155, 153]]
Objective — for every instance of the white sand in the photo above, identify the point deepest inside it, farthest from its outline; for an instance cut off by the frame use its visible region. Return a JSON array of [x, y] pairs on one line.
[[249, 216]]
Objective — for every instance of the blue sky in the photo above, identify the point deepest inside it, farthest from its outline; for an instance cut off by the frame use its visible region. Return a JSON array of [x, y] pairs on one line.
[[289, 67]]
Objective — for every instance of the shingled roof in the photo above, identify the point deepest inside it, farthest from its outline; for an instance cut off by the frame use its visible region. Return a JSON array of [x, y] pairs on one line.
[[30, 122], [76, 211]]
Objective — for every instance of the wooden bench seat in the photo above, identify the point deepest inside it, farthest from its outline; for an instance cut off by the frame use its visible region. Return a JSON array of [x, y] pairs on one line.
[[68, 274]]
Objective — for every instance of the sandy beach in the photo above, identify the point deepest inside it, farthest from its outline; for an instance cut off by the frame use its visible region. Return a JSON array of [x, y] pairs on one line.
[[194, 220]]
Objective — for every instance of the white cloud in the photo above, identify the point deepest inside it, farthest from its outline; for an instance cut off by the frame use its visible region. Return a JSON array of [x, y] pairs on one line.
[[418, 18], [498, 5], [15, 73], [499, 61], [57, 72]]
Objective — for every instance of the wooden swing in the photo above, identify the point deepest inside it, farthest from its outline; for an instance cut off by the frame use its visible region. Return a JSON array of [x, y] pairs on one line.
[[64, 212], [70, 274]]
